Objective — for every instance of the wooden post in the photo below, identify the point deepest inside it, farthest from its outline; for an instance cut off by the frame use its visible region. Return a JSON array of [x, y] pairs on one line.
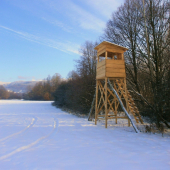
[[126, 98], [96, 110], [115, 106], [106, 114], [116, 114], [106, 54], [123, 56]]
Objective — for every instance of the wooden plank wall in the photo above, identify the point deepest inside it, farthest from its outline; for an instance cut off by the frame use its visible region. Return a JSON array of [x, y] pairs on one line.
[[115, 68], [111, 68], [101, 69]]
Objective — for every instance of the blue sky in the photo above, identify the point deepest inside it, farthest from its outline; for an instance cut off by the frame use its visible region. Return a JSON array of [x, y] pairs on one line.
[[43, 37]]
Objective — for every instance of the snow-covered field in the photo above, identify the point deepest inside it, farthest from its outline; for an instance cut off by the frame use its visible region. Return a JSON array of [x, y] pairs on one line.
[[36, 135]]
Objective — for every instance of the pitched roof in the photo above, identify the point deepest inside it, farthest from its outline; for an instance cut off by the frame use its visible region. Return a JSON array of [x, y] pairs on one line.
[[109, 43]]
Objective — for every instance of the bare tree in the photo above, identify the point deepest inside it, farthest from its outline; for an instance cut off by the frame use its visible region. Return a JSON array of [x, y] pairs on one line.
[[143, 27], [123, 29], [76, 94]]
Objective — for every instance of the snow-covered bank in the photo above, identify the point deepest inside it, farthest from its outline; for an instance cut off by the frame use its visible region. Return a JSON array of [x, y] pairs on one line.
[[36, 135]]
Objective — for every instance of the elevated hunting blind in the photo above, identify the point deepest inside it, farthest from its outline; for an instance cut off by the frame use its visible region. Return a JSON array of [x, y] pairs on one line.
[[112, 100]]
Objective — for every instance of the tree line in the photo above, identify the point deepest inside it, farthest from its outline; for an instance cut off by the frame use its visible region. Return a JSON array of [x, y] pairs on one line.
[[76, 94], [44, 90]]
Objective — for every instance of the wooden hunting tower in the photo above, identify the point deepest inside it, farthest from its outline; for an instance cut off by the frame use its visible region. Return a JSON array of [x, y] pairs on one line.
[[111, 67]]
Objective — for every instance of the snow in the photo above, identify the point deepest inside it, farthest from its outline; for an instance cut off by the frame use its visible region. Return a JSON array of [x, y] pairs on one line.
[[35, 135]]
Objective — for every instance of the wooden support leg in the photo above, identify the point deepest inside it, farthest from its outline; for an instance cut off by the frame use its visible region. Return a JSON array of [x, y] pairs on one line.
[[116, 117], [126, 98], [115, 109], [96, 110], [106, 114], [128, 122]]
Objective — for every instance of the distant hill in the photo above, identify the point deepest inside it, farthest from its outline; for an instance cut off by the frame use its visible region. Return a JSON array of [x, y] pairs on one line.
[[20, 86], [2, 83]]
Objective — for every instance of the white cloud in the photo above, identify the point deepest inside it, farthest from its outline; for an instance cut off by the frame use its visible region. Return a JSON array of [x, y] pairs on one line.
[[66, 46], [60, 24], [52, 11], [104, 7], [85, 19], [21, 77], [78, 15]]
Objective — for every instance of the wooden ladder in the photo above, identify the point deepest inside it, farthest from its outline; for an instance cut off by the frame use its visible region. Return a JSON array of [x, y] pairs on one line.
[[131, 104], [133, 109]]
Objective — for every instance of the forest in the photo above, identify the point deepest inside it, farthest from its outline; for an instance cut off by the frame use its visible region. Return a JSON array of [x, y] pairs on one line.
[[5, 94], [144, 28]]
